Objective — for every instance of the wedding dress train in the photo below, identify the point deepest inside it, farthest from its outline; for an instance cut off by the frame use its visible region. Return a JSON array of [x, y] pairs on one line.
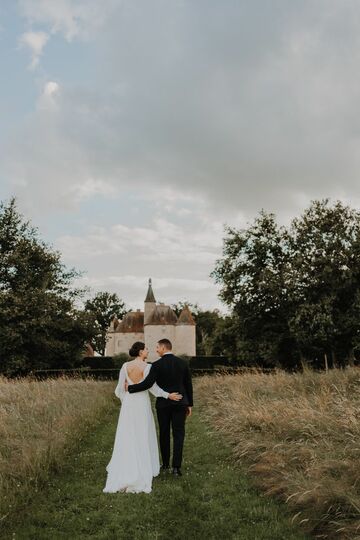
[[135, 457]]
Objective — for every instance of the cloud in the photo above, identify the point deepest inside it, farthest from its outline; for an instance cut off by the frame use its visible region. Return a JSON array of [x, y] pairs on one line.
[[132, 289], [204, 112], [179, 256], [51, 88], [91, 188], [71, 18], [162, 242], [35, 41], [48, 98], [246, 104]]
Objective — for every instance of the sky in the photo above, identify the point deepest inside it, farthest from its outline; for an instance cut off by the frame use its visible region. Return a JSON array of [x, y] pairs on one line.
[[132, 132]]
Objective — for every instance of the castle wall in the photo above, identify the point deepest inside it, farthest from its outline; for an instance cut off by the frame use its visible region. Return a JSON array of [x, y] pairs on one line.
[[185, 340], [182, 337], [110, 344], [153, 333], [124, 341]]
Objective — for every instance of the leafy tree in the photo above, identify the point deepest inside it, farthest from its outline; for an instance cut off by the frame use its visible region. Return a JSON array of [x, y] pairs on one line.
[[179, 306], [325, 279], [39, 325], [253, 276], [102, 307], [207, 324], [294, 293], [226, 339]]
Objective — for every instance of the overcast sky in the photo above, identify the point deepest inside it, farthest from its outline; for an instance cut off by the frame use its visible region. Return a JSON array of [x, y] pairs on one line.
[[131, 131]]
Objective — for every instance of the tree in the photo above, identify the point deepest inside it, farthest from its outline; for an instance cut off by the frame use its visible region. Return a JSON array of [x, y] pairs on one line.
[[325, 279], [207, 324], [226, 340], [253, 277], [39, 324], [294, 293], [179, 306], [102, 307]]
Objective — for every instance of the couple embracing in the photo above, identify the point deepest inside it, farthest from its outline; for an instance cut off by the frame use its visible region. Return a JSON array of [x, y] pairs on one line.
[[135, 457]]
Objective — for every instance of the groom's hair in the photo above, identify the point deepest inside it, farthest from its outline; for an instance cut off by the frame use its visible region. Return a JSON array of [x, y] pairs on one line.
[[167, 343]]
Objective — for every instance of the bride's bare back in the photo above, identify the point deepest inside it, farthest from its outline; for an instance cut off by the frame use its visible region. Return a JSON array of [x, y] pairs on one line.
[[135, 370]]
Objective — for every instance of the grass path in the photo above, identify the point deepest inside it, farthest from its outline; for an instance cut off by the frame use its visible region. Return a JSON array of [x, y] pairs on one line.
[[213, 500]]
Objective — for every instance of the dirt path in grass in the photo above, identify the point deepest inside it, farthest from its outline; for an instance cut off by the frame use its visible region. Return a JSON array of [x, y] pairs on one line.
[[213, 500]]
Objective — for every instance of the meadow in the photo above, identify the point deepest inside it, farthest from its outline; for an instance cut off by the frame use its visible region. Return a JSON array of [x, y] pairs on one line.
[[267, 456], [40, 422], [212, 500], [298, 437]]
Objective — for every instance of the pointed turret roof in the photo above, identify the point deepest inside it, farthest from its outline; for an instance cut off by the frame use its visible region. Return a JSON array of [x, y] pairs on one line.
[[162, 315], [186, 317], [150, 295]]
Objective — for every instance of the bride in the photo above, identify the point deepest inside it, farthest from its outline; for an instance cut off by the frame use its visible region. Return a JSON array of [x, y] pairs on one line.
[[135, 457]]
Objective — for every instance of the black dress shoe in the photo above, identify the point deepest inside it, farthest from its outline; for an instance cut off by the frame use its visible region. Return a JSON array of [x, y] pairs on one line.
[[164, 468], [177, 471]]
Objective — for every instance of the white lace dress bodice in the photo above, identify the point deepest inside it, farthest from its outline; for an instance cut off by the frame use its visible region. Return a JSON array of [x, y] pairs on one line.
[[135, 458]]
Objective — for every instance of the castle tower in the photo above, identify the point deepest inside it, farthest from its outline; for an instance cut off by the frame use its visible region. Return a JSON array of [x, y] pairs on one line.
[[154, 323], [186, 333], [150, 303], [160, 325]]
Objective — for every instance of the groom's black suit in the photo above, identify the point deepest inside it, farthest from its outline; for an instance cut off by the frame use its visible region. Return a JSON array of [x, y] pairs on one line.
[[172, 374]]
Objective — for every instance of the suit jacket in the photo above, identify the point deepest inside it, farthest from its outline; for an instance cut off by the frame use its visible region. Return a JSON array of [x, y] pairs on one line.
[[172, 374]]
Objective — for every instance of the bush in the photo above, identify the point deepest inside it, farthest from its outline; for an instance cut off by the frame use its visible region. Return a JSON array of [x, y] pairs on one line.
[[106, 362], [120, 359], [208, 362]]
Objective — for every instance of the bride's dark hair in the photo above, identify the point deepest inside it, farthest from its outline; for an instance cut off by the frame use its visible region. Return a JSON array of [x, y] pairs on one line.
[[136, 348]]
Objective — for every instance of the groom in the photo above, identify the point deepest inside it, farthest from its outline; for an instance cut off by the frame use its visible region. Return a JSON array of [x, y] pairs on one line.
[[172, 374]]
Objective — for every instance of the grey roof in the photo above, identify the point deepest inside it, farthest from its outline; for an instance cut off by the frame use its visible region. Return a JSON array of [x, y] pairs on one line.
[[133, 322], [186, 317], [163, 315], [150, 295]]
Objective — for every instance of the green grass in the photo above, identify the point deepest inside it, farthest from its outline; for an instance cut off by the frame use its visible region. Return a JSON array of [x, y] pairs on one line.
[[213, 499]]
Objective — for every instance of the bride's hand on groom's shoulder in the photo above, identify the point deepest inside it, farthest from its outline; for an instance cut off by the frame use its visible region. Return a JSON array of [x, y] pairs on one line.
[[174, 396]]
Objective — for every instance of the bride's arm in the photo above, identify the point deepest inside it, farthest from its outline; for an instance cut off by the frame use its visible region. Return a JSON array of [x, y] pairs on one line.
[[158, 392], [150, 384], [155, 389], [120, 389]]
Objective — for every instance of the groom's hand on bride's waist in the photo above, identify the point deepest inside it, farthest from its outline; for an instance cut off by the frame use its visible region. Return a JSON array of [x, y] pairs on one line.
[[175, 396], [126, 386]]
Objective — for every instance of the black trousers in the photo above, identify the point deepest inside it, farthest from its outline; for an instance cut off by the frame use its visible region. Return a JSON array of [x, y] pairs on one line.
[[174, 416]]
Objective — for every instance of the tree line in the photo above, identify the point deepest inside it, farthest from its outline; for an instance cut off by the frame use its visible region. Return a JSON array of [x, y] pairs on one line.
[[43, 321], [292, 294]]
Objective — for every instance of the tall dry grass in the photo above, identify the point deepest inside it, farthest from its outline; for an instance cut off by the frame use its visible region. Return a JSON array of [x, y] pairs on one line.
[[299, 436], [39, 422]]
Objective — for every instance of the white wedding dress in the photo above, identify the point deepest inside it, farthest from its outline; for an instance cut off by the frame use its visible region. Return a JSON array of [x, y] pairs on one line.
[[135, 457]]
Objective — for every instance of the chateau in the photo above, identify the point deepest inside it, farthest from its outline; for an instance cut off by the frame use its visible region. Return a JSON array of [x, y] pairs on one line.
[[156, 322]]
